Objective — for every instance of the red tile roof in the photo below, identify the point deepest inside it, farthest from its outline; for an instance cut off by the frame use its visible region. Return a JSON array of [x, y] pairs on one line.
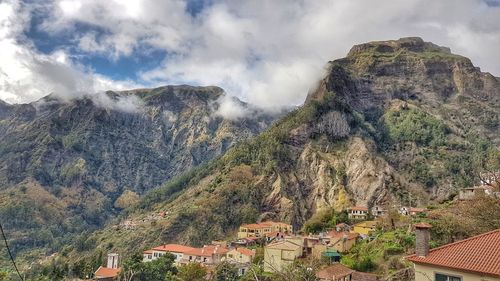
[[104, 272], [342, 234], [207, 251], [334, 272], [478, 254], [175, 248], [246, 252]]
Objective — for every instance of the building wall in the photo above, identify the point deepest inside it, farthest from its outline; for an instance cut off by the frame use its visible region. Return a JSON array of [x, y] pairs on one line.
[[426, 273], [278, 259], [236, 256]]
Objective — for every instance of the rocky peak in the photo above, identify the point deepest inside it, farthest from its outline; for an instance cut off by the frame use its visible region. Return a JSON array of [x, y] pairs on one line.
[[411, 44]]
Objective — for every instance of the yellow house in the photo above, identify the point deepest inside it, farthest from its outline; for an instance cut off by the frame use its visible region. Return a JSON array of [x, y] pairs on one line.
[[261, 229], [240, 255], [365, 228], [473, 259], [279, 255]]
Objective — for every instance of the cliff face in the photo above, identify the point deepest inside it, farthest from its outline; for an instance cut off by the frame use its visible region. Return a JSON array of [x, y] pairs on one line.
[[395, 122], [84, 153]]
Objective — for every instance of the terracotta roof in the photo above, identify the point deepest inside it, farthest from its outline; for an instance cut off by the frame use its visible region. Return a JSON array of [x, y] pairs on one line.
[[148, 252], [334, 272], [207, 251], [104, 272], [283, 245], [478, 254], [361, 276], [175, 248], [359, 208], [246, 252]]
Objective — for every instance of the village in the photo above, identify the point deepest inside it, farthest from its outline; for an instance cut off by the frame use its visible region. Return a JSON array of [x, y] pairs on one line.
[[281, 245]]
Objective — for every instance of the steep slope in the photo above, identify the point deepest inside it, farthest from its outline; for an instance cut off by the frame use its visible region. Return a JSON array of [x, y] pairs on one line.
[[83, 154], [401, 121]]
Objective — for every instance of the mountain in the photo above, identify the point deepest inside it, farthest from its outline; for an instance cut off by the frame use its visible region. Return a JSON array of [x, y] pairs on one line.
[[64, 163], [394, 122]]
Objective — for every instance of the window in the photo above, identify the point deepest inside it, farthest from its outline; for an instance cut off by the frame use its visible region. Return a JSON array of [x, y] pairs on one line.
[[444, 277]]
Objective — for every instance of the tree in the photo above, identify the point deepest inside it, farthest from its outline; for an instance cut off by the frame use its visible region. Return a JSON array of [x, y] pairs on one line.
[[160, 269], [225, 272], [192, 272], [127, 200]]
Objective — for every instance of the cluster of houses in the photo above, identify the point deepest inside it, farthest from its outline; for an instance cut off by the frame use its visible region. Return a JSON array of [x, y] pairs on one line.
[[282, 247]]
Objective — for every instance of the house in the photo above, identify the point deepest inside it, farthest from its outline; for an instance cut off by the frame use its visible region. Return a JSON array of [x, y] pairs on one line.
[[342, 241], [378, 211], [357, 213], [279, 255], [261, 229], [474, 259], [335, 272], [365, 227], [333, 244], [110, 272], [240, 255], [177, 250], [209, 254], [241, 258], [474, 192], [411, 211]]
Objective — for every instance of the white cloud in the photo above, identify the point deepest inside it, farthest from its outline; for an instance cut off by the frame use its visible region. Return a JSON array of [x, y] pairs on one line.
[[26, 75], [266, 52]]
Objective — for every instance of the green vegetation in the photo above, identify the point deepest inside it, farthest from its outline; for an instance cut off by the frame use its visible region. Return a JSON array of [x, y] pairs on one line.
[[414, 125], [379, 254], [192, 272], [325, 220], [161, 269]]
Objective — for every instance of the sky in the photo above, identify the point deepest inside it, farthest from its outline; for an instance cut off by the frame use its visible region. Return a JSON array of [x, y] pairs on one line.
[[268, 53]]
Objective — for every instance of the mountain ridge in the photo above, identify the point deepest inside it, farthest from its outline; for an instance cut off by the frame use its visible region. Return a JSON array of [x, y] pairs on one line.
[[401, 127]]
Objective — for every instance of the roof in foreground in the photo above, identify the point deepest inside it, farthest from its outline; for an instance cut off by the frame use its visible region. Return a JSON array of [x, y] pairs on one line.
[[104, 272], [478, 254], [334, 272]]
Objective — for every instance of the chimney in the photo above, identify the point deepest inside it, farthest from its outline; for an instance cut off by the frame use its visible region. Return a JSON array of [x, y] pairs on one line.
[[423, 235], [112, 261]]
